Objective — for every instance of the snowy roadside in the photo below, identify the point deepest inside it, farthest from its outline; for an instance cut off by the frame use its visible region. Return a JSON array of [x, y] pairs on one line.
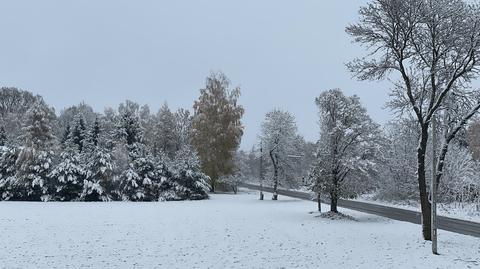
[[467, 212], [227, 231]]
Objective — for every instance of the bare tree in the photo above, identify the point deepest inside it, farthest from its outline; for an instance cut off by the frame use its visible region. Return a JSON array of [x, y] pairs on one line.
[[433, 45]]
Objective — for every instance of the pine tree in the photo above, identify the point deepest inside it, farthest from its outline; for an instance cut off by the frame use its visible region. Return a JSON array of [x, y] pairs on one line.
[[128, 124], [66, 134], [92, 137], [78, 133], [187, 179], [165, 136], [67, 176], [100, 179], [10, 189], [3, 136]]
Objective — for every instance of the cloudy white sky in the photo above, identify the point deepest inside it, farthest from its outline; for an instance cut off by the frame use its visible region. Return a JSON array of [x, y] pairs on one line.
[[281, 53]]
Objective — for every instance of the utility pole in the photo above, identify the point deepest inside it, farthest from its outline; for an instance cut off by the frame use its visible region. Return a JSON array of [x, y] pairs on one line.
[[261, 171], [433, 187]]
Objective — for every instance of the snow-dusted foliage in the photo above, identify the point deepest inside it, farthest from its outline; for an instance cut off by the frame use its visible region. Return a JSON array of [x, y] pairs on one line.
[[397, 169], [99, 183], [141, 180], [68, 176], [123, 154], [279, 139], [34, 162], [346, 149], [461, 177], [9, 185], [186, 179]]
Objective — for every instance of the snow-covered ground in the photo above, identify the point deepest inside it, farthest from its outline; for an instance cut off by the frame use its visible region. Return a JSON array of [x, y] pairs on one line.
[[227, 231]]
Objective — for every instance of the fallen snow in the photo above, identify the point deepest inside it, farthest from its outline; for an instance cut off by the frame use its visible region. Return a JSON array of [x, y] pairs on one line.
[[228, 231]]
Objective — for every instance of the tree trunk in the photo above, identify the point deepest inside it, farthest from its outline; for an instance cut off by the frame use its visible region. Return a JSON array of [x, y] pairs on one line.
[[333, 202], [319, 203], [422, 185], [212, 185], [275, 177]]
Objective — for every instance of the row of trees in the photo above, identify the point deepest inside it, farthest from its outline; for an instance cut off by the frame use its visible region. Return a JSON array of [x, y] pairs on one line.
[[123, 154], [354, 155], [430, 49]]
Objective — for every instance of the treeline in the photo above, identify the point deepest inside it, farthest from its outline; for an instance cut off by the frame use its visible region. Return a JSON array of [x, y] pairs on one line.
[[126, 153]]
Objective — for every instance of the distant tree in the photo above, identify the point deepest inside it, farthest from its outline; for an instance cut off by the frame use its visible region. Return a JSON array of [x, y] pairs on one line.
[[165, 136], [35, 159], [14, 105], [397, 170], [78, 133], [346, 148], [93, 135], [3, 136], [183, 128], [433, 47], [128, 123], [474, 139], [216, 126], [68, 117], [279, 137]]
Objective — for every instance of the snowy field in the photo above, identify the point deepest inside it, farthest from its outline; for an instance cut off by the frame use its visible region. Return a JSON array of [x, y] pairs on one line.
[[227, 231]]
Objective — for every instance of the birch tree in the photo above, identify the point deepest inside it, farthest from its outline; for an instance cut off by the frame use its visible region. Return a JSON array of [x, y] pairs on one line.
[[279, 134], [216, 127]]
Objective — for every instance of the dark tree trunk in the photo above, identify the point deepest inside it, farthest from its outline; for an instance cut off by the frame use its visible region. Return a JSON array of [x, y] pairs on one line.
[[333, 203], [422, 185], [319, 203], [212, 185], [275, 176]]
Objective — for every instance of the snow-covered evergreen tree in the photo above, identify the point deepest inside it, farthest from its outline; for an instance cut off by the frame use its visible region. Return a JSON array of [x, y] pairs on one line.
[[187, 180], [100, 179], [165, 136], [68, 176], [35, 159], [3, 136], [128, 123], [78, 132], [140, 180], [10, 189]]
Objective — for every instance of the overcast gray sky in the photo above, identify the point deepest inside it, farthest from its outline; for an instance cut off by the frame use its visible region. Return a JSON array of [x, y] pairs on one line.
[[281, 53]]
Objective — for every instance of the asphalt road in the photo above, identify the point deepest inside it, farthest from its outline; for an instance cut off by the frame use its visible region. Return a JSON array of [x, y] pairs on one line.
[[444, 223]]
